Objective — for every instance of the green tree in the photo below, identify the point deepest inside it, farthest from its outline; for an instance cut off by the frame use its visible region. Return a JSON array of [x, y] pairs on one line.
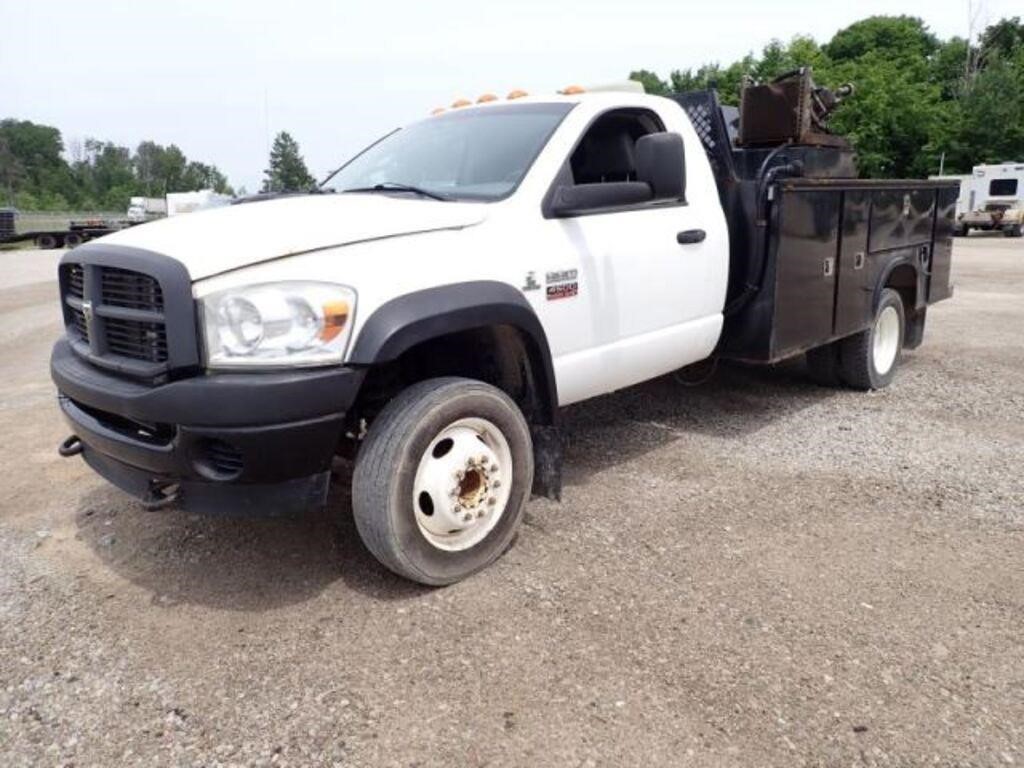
[[1004, 38], [650, 81], [918, 98], [889, 37], [287, 171]]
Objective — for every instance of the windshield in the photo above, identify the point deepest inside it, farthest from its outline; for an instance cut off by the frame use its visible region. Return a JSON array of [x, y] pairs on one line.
[[476, 154]]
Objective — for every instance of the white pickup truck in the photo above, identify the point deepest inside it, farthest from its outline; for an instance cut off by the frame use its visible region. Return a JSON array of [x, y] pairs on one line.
[[433, 305]]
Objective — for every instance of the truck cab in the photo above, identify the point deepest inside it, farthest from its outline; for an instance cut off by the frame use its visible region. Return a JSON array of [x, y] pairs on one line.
[[429, 309]]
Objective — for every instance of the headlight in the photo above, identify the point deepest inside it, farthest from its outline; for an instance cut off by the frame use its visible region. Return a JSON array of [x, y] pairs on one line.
[[278, 325]]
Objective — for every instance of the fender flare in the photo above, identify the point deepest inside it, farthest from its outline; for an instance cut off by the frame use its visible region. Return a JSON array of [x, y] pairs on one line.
[[413, 318]]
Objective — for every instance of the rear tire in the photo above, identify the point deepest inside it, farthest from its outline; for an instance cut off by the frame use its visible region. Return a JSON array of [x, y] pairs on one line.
[[868, 360], [72, 239], [46, 242], [441, 480]]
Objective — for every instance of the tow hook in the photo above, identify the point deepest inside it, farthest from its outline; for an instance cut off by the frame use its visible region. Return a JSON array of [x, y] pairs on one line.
[[70, 447], [160, 494]]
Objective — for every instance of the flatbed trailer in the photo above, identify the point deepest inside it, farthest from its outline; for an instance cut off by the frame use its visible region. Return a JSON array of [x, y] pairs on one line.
[[77, 232]]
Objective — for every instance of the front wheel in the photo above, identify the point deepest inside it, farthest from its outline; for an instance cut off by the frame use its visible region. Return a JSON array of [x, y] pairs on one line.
[[442, 479], [868, 359], [1015, 231]]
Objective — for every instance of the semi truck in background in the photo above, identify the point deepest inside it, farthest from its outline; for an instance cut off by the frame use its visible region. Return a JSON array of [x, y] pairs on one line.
[[143, 209], [994, 200]]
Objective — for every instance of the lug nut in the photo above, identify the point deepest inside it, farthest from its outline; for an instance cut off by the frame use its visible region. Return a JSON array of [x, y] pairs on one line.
[[468, 517], [496, 483], [492, 501]]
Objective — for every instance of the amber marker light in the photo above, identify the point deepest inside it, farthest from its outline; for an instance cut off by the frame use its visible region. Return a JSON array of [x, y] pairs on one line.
[[335, 316], [437, 111], [517, 94], [573, 90], [459, 103], [487, 97]]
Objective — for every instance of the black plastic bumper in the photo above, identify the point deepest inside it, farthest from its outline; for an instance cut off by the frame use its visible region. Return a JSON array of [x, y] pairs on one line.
[[255, 443]]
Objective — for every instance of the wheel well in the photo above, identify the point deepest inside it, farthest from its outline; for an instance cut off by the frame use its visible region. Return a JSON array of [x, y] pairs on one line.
[[501, 355], [903, 280]]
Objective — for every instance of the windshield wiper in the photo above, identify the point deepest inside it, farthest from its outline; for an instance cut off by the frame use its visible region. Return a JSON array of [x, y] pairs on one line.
[[394, 186]]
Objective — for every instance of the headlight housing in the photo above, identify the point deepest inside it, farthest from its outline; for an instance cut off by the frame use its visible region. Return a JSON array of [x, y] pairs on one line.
[[278, 325]]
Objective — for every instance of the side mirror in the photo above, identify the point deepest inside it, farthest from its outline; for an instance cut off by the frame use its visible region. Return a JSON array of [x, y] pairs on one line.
[[577, 199], [661, 163]]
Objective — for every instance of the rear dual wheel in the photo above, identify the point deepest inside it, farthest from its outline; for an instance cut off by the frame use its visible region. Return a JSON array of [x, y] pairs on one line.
[[442, 479], [866, 360]]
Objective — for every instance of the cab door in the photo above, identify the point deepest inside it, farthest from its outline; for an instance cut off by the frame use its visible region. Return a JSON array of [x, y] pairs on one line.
[[651, 269]]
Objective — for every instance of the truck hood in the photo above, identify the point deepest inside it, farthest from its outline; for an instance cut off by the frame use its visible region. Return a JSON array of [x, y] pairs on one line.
[[222, 239]]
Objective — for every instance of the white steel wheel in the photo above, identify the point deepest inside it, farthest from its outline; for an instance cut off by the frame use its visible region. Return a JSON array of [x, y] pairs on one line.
[[462, 484], [868, 360], [886, 339], [442, 479]]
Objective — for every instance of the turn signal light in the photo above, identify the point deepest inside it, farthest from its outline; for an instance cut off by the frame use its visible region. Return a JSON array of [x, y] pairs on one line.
[[335, 316]]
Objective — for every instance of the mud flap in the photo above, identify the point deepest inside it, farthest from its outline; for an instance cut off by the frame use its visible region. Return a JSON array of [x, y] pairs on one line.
[[547, 459]]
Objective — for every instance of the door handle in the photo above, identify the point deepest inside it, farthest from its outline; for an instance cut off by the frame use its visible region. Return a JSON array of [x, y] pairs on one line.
[[691, 236]]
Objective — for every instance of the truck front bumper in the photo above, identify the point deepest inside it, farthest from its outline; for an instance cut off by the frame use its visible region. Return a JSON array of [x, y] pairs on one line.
[[238, 443]]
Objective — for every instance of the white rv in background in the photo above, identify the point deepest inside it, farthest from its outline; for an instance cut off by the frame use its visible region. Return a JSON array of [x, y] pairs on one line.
[[995, 199]]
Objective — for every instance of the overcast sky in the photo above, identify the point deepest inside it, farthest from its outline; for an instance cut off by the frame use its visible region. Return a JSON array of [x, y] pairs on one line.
[[219, 77]]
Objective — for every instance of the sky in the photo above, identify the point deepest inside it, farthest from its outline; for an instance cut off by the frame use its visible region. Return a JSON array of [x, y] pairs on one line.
[[220, 77]]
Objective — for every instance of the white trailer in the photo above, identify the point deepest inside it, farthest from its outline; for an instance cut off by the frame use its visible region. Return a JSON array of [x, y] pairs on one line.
[[187, 202], [995, 200]]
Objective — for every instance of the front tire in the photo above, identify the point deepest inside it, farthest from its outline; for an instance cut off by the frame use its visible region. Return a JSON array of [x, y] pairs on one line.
[[868, 360], [1017, 230], [441, 480]]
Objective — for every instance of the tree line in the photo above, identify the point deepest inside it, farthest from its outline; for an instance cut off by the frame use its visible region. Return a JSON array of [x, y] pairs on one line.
[[38, 172], [921, 103]]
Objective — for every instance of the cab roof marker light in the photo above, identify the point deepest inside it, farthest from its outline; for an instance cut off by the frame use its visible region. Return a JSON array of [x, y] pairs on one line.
[[573, 90], [486, 98], [459, 103], [517, 94], [437, 111]]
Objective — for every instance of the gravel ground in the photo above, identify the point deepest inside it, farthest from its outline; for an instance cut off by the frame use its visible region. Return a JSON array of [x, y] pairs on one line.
[[754, 571]]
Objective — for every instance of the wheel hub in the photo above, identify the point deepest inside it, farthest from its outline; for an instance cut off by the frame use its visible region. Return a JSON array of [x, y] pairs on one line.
[[462, 484]]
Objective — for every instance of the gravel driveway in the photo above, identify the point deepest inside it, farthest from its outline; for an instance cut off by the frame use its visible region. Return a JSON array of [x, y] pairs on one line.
[[754, 571]]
